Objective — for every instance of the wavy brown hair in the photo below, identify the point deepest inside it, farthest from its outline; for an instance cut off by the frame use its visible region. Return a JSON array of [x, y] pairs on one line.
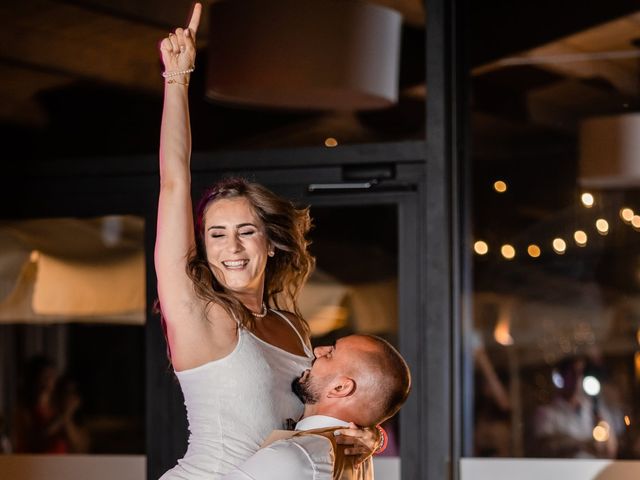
[[286, 272]]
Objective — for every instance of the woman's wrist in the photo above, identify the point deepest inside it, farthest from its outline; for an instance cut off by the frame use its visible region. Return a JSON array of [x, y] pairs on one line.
[[177, 73], [177, 77], [183, 81]]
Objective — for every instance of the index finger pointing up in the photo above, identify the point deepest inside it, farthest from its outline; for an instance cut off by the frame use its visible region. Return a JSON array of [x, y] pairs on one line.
[[195, 18]]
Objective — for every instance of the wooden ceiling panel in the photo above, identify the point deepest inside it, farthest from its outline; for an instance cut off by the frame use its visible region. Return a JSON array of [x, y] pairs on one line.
[[607, 51], [616, 35], [68, 40]]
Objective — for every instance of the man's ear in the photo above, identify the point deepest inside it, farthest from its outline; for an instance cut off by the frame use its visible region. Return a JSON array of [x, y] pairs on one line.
[[342, 387]]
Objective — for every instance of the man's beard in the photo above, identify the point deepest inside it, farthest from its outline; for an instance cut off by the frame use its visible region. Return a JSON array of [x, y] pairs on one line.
[[304, 390]]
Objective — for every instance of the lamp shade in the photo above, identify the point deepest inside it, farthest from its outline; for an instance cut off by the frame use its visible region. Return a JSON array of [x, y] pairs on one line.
[[304, 54], [610, 151]]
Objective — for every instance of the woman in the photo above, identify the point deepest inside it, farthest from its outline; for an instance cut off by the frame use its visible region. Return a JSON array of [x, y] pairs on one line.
[[46, 416], [234, 356]]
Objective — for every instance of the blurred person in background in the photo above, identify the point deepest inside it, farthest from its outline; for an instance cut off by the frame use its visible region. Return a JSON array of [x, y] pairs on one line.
[[46, 417], [574, 425]]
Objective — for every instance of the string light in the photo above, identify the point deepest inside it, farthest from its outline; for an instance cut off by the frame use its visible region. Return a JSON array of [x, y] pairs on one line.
[[500, 186], [559, 246], [626, 214], [533, 250], [480, 247], [508, 251], [587, 199], [602, 226], [580, 237]]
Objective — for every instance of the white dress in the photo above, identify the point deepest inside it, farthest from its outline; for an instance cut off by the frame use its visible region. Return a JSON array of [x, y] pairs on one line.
[[234, 403]]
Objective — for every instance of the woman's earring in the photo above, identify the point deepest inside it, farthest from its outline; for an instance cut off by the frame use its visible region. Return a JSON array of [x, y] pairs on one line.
[[271, 253]]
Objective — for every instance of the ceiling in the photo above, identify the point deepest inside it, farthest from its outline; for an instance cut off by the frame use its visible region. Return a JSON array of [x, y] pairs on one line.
[[52, 45], [76, 72], [84, 79]]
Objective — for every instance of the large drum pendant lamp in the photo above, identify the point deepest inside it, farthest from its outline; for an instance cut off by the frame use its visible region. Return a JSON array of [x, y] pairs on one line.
[[304, 54], [610, 151]]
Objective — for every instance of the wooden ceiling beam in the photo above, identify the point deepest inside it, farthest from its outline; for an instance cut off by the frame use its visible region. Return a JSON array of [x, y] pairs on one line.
[[53, 36]]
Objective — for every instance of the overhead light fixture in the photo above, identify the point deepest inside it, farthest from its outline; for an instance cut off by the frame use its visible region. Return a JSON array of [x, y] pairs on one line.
[[54, 290], [609, 147], [312, 54]]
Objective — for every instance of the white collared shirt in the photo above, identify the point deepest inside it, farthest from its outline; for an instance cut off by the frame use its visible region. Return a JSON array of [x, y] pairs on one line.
[[299, 458]]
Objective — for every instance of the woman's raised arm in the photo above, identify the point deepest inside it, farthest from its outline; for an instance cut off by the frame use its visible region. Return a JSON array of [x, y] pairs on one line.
[[175, 237]]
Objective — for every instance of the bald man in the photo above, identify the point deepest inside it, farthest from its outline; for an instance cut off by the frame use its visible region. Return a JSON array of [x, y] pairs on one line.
[[360, 379]]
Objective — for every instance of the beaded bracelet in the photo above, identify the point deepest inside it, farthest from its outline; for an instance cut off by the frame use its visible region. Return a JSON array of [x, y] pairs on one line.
[[178, 72], [383, 441]]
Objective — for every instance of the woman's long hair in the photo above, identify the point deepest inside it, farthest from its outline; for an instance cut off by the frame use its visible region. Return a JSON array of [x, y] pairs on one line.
[[286, 272]]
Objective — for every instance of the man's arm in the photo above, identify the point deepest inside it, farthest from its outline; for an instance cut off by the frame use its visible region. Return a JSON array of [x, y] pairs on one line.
[[308, 457]]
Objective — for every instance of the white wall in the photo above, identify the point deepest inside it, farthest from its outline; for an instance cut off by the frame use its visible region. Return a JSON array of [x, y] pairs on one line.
[[547, 469], [386, 468]]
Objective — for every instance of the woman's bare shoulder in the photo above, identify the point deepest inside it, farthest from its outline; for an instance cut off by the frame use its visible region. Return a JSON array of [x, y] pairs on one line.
[[209, 334]]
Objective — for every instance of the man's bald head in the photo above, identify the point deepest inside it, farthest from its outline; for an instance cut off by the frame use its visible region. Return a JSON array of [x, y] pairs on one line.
[[361, 378], [384, 376]]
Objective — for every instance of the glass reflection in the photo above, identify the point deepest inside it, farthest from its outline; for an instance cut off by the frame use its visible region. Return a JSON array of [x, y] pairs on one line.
[[554, 335], [72, 314]]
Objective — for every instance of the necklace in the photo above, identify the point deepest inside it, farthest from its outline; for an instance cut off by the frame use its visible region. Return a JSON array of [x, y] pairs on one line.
[[262, 314]]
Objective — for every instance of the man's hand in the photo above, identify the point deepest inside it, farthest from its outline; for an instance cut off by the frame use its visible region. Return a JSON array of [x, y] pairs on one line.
[[360, 441]]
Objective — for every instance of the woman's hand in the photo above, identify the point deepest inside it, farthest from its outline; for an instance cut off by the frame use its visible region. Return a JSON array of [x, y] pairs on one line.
[[178, 50], [361, 441]]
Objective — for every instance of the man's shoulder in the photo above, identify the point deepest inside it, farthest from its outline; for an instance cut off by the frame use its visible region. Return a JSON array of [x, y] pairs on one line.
[[306, 457], [310, 449], [316, 445]]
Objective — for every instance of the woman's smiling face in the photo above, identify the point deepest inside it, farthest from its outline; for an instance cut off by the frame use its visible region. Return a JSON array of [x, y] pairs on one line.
[[237, 245]]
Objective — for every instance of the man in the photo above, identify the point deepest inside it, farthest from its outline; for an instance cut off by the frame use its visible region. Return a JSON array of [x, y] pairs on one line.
[[360, 379], [568, 426]]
